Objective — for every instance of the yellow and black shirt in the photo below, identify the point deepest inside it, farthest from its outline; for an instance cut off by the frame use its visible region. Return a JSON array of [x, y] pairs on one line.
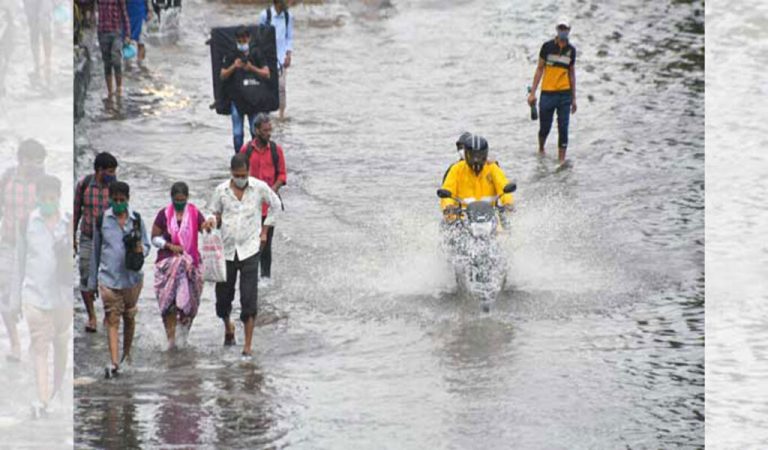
[[558, 61]]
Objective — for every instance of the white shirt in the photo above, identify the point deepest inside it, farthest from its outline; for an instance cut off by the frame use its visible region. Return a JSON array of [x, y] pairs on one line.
[[283, 36], [241, 219]]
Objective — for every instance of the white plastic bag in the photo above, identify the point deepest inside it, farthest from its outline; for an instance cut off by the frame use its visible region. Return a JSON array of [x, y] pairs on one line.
[[214, 264]]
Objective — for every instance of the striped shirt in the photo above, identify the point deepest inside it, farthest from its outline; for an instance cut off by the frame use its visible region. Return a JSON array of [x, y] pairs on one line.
[[88, 206], [558, 62], [113, 17]]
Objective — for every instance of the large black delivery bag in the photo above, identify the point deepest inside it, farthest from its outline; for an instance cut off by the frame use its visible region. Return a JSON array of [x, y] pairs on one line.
[[258, 94]]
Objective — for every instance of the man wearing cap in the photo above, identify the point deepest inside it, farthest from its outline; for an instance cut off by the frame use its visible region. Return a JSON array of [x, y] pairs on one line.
[[557, 67]]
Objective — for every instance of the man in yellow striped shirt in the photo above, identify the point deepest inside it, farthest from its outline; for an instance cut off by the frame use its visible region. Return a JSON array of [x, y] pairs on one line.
[[557, 73]]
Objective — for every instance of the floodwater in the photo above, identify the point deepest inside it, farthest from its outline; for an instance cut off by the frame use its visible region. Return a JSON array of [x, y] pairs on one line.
[[737, 310], [598, 339]]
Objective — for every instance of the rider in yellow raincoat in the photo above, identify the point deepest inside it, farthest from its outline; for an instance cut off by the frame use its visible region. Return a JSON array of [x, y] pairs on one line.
[[474, 178]]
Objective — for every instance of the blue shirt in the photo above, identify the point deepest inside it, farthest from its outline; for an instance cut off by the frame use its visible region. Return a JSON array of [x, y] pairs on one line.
[[283, 37], [108, 258]]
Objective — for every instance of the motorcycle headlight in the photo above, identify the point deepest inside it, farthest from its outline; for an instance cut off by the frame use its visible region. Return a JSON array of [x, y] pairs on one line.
[[480, 229]]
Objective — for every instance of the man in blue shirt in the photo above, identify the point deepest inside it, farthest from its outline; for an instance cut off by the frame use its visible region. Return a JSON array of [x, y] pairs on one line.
[[118, 231], [279, 17]]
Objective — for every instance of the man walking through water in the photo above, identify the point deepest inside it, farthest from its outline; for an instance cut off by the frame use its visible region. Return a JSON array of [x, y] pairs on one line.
[[113, 29], [557, 65], [267, 163], [91, 199], [279, 17], [236, 205], [237, 73]]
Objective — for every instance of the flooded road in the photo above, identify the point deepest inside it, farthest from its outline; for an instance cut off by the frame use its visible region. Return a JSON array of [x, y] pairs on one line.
[[737, 312], [597, 342]]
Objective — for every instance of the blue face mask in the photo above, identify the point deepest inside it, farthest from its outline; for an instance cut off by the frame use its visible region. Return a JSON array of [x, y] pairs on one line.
[[108, 178], [562, 35], [243, 47]]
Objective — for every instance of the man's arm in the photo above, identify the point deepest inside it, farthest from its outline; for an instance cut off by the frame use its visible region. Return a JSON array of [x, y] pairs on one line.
[[536, 80], [77, 212], [499, 181], [289, 42], [93, 272], [282, 175], [451, 184], [226, 73], [572, 75], [262, 71]]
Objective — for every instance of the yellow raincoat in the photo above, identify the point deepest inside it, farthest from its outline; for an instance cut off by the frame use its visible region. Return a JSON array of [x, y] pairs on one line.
[[463, 183]]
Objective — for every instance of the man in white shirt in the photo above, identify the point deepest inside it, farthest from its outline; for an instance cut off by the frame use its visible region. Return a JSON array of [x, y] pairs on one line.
[[279, 17], [237, 207]]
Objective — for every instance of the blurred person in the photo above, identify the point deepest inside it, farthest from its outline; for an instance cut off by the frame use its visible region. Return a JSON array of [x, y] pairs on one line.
[[178, 279], [234, 70], [266, 161], [237, 208], [40, 20], [113, 31], [119, 233], [17, 199], [45, 281], [7, 32], [278, 16], [87, 10], [91, 199]]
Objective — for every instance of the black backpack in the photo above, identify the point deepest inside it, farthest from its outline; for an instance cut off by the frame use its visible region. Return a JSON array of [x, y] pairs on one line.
[[133, 260], [275, 163]]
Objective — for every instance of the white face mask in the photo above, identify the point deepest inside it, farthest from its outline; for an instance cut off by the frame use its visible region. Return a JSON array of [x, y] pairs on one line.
[[243, 47], [241, 183], [461, 154]]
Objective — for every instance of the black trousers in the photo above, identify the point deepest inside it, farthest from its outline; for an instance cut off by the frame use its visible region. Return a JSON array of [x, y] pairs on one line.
[[249, 288], [266, 253]]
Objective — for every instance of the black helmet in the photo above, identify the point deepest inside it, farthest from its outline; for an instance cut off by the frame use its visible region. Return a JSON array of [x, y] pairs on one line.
[[462, 141], [477, 152]]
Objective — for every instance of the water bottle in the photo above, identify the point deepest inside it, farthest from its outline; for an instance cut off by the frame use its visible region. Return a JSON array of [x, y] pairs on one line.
[[534, 112]]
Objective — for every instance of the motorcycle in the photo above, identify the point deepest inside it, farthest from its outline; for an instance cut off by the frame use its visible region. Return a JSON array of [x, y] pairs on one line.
[[471, 243]]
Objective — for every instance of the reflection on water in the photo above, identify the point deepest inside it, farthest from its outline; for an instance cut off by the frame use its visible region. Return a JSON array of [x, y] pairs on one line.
[[367, 342]]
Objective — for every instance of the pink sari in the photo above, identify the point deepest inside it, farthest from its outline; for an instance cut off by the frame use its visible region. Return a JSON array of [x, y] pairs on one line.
[[186, 234]]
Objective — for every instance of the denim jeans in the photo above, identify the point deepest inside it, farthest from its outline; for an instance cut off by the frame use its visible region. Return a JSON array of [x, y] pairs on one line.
[[238, 133], [548, 104]]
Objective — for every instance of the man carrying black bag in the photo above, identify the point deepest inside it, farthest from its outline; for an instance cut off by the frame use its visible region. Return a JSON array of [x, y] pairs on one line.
[[240, 73]]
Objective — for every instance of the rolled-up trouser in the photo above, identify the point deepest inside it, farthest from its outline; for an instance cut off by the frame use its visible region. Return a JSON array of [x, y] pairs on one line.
[[249, 288], [549, 103], [111, 53], [85, 248], [120, 303]]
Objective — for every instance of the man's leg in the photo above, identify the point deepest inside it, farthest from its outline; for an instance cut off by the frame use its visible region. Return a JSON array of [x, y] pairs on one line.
[[62, 320], [117, 62], [84, 264], [547, 106], [238, 133], [249, 289], [105, 45], [281, 88], [266, 253], [563, 119], [9, 318], [225, 294], [113, 302], [129, 319], [41, 331]]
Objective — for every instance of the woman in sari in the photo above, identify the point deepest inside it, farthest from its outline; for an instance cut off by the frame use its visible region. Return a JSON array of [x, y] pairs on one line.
[[178, 279]]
